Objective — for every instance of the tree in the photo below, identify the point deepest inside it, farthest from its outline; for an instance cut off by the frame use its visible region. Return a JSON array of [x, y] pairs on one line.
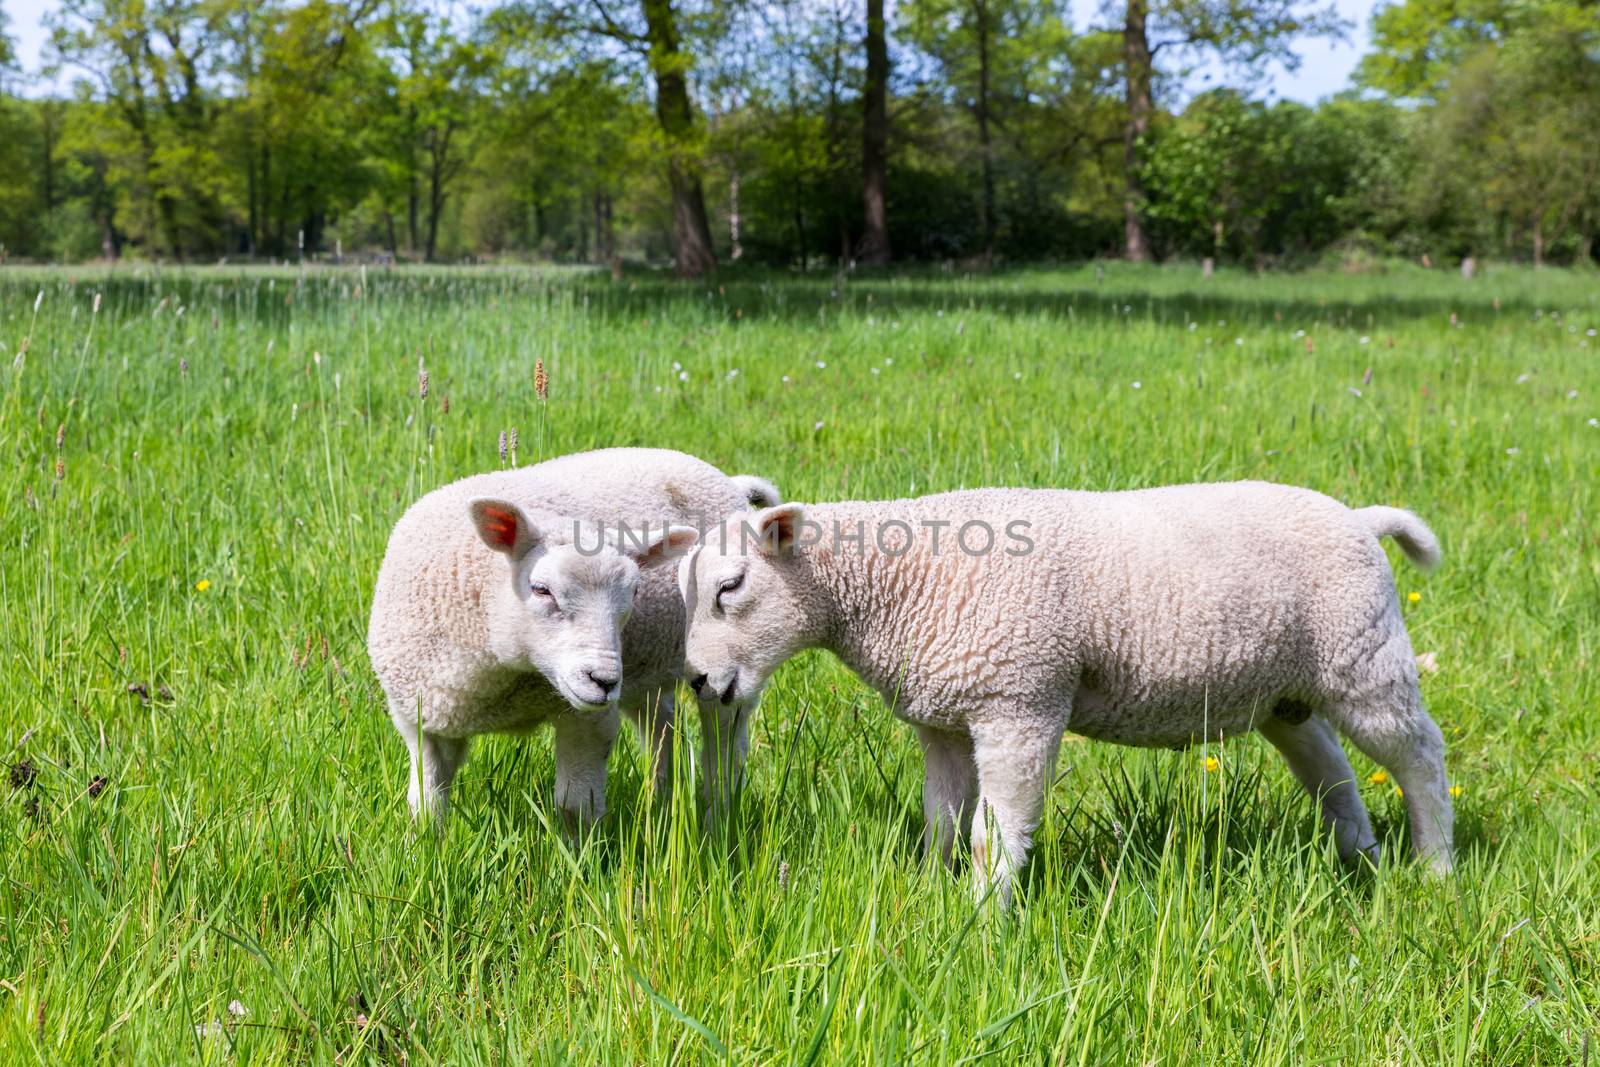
[[693, 254], [999, 60], [1512, 100], [439, 77], [1237, 32], [873, 250]]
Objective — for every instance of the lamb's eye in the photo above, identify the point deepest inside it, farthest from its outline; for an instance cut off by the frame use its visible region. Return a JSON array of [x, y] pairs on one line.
[[539, 589], [728, 585]]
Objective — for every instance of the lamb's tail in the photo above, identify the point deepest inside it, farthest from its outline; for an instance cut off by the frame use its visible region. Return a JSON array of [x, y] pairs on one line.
[[1409, 532], [758, 492]]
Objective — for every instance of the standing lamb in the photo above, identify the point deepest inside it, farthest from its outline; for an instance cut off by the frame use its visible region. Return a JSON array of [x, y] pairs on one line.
[[499, 607], [994, 620]]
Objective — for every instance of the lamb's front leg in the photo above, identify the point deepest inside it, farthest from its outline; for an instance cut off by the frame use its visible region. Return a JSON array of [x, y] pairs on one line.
[[583, 745], [949, 791], [655, 718], [724, 740], [1016, 762]]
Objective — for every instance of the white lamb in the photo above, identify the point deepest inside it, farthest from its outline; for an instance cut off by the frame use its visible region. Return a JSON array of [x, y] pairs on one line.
[[994, 620], [499, 607]]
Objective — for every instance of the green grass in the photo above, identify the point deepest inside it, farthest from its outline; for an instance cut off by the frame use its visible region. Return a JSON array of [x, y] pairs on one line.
[[250, 842]]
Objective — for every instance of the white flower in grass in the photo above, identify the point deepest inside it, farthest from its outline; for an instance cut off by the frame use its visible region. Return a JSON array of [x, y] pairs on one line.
[[1572, 394], [1513, 451], [1193, 326], [822, 364], [1591, 332], [1238, 342], [1595, 423], [683, 376], [1354, 391], [888, 361], [236, 1009], [1366, 340], [818, 425], [1523, 378], [785, 378], [876, 372], [733, 373], [1138, 385], [1299, 333]]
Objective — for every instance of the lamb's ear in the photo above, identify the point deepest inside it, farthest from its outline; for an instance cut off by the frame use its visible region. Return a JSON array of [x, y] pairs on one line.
[[778, 529], [668, 545], [686, 579], [504, 527]]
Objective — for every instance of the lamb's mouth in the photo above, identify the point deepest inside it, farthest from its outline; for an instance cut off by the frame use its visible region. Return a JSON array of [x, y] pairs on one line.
[[577, 700]]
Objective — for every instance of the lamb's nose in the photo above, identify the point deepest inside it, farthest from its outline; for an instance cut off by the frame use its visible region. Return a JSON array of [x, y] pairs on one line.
[[606, 682], [697, 683]]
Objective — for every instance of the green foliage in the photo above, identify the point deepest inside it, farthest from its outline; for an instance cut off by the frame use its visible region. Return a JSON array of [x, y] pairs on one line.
[[399, 128], [212, 809]]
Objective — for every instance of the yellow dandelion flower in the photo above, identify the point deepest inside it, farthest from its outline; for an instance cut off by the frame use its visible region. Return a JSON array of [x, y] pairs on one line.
[[1413, 596], [1378, 777], [1212, 766], [1399, 792], [203, 584], [1455, 790]]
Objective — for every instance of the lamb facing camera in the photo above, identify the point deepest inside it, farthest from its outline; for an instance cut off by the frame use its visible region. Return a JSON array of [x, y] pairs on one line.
[[1157, 617], [517, 598]]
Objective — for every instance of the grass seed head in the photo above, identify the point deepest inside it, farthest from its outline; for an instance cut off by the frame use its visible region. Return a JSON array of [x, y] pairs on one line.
[[422, 384], [541, 380]]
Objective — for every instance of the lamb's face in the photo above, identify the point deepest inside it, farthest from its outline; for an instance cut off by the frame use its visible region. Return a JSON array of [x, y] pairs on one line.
[[571, 600], [744, 619]]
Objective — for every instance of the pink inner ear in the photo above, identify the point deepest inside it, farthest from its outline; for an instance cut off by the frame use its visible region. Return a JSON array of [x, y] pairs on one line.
[[500, 527]]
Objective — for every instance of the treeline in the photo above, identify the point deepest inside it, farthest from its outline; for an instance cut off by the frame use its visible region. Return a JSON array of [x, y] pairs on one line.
[[796, 132]]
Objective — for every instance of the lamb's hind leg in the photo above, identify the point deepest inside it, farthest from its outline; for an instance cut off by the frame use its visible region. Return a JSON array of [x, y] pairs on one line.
[[434, 763], [1015, 762], [949, 791], [1313, 753], [1385, 718]]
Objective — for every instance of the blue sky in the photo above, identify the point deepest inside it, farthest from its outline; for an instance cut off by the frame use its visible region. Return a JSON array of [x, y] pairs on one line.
[[1325, 66]]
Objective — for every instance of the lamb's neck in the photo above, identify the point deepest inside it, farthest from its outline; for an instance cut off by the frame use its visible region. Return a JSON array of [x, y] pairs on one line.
[[875, 605]]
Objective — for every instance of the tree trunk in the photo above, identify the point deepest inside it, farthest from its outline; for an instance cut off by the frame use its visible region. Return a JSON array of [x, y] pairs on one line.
[[800, 220], [985, 146], [251, 193], [873, 250], [412, 202], [1136, 61], [692, 253], [1538, 239], [735, 250]]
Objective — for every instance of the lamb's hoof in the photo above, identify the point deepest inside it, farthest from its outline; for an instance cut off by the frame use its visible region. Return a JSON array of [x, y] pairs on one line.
[[1439, 865]]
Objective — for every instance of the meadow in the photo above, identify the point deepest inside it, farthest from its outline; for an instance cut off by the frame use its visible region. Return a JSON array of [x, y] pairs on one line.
[[204, 850]]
